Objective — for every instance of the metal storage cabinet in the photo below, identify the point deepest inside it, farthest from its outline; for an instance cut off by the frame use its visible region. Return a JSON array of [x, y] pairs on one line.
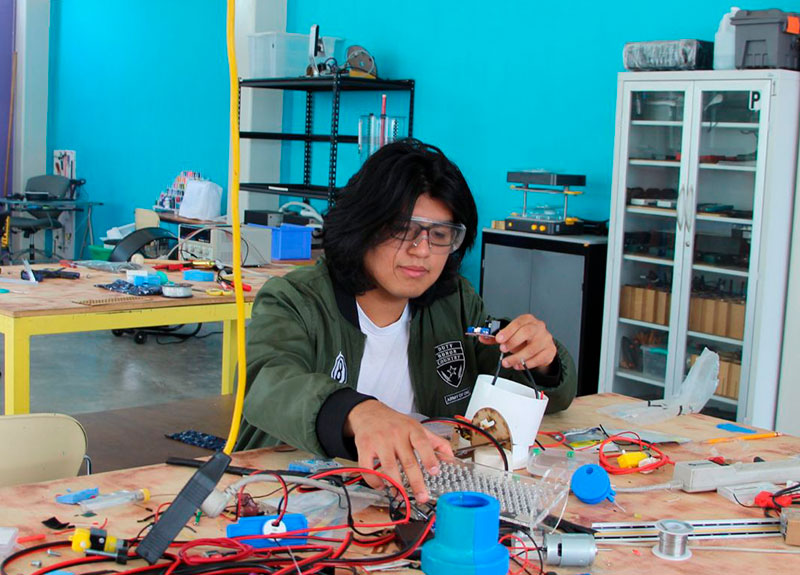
[[703, 193], [559, 279]]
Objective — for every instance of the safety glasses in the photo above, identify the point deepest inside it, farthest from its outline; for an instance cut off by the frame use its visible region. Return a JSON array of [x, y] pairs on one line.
[[443, 237]]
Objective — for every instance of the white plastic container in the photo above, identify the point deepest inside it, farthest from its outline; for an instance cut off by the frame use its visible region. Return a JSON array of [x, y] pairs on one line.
[[540, 462], [8, 541], [725, 43], [285, 55], [517, 404]]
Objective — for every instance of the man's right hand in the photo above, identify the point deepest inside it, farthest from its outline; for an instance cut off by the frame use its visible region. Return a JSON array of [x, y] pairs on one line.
[[382, 433]]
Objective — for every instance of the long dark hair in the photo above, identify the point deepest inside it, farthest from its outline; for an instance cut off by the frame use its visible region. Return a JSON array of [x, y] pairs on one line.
[[381, 194]]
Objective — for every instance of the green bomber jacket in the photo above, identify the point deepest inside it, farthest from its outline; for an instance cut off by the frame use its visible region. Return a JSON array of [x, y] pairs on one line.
[[304, 350]]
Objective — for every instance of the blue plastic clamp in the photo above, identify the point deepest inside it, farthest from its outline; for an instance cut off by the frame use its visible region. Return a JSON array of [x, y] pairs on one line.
[[263, 525], [465, 537], [198, 276]]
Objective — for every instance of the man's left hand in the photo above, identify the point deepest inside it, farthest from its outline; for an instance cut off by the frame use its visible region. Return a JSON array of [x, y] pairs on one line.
[[527, 341]]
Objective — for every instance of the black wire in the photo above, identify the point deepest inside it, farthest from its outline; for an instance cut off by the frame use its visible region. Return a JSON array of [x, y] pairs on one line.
[[474, 427], [538, 551], [742, 504], [499, 365], [181, 337], [205, 335]]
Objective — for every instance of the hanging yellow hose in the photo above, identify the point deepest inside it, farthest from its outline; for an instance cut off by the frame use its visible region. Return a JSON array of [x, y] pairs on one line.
[[237, 232]]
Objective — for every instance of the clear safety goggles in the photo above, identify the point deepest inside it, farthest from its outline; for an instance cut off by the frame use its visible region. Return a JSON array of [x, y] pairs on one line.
[[443, 237]]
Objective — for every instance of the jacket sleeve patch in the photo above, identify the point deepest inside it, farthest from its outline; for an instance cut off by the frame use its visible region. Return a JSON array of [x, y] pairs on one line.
[[339, 371]]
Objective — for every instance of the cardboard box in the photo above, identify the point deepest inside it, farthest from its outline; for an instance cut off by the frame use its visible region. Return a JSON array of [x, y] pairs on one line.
[[736, 319], [790, 526], [730, 372]]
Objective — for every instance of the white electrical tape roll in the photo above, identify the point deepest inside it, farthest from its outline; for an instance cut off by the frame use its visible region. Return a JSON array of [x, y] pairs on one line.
[[176, 290]]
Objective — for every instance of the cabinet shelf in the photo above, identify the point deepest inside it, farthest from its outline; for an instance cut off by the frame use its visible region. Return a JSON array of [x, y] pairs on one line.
[[666, 123], [335, 84], [655, 163], [326, 84], [723, 219], [645, 324], [638, 376], [731, 125], [306, 191], [729, 167], [645, 211], [721, 270], [297, 137], [717, 338], [649, 260], [725, 400]]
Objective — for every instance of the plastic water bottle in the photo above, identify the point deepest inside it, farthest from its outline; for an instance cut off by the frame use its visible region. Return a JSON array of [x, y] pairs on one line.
[[725, 43], [113, 499]]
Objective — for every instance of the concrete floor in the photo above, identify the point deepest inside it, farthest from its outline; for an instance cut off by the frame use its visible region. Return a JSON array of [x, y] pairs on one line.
[[95, 371]]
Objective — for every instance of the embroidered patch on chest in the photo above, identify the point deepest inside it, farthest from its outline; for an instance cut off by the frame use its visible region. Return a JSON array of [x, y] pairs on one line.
[[450, 362], [339, 371]]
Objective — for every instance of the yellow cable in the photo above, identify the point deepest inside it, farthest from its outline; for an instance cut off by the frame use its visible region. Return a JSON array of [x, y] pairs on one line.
[[237, 232]]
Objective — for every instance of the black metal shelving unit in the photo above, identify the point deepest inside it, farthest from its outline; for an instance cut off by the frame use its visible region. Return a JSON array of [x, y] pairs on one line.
[[335, 84]]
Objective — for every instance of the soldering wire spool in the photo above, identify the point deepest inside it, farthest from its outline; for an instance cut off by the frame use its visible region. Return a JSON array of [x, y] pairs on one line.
[[176, 290], [673, 539]]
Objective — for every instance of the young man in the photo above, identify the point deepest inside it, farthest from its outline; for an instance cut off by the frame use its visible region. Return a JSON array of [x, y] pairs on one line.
[[340, 353]]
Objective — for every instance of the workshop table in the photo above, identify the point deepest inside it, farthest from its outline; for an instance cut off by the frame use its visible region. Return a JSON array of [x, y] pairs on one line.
[[25, 506], [67, 306]]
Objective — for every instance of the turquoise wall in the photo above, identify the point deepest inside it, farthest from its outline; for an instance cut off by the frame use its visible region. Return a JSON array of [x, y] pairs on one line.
[[511, 84], [139, 88]]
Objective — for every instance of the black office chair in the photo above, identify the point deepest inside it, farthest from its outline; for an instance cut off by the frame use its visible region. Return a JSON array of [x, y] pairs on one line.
[[152, 243], [42, 189]]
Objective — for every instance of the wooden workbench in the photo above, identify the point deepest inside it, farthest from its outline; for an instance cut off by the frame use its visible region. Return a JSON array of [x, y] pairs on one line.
[[25, 506], [67, 306]]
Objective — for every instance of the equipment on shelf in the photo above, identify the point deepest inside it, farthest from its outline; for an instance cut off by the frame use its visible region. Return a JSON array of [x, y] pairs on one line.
[[548, 220]]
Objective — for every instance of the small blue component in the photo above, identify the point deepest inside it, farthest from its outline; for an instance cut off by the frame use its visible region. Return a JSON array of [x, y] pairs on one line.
[[73, 498], [465, 537], [61, 572], [735, 428], [149, 280], [263, 526], [198, 276], [591, 484], [313, 465], [472, 330]]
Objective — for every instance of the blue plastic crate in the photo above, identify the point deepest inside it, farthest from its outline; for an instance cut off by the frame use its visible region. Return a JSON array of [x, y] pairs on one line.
[[291, 242]]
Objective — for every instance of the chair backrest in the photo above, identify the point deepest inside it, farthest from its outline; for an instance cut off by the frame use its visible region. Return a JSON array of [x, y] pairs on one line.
[[150, 242], [144, 218], [48, 187], [40, 447]]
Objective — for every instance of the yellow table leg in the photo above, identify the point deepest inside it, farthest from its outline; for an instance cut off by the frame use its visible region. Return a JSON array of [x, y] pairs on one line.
[[17, 371], [229, 349]]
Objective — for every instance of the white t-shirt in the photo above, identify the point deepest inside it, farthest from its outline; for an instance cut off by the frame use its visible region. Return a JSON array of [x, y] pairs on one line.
[[384, 370]]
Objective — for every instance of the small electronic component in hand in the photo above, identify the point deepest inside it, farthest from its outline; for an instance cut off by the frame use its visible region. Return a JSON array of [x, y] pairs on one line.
[[489, 329]]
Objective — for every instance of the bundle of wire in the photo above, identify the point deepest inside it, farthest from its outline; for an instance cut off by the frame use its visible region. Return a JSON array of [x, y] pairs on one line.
[[235, 555], [659, 457]]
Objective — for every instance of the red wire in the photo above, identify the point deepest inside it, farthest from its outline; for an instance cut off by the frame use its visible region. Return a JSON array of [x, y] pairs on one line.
[[158, 510], [525, 562], [241, 551], [663, 459]]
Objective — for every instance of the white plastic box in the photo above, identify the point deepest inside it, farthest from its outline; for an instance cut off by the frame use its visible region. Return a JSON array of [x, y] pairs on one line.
[[285, 55]]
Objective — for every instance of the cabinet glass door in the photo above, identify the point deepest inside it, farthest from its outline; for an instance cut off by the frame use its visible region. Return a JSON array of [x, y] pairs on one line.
[[719, 216], [652, 167]]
